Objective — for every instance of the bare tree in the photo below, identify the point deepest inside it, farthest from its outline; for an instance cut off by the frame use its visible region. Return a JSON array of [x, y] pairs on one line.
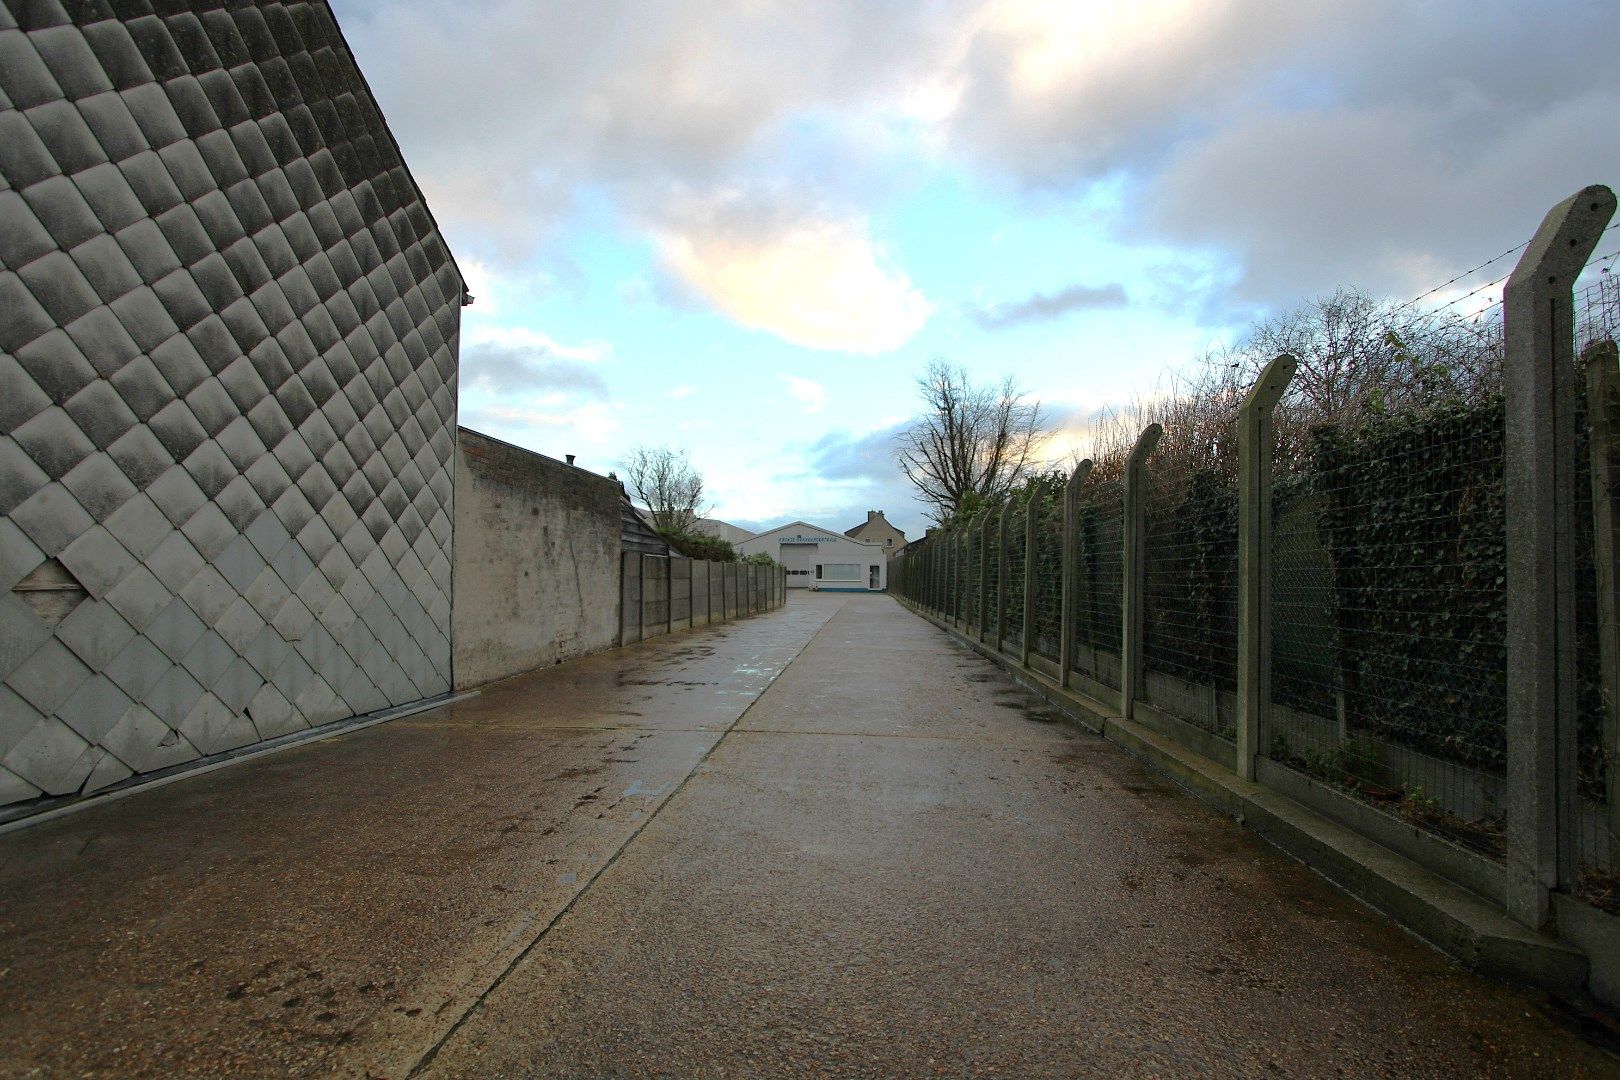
[[664, 481], [1359, 358], [971, 444]]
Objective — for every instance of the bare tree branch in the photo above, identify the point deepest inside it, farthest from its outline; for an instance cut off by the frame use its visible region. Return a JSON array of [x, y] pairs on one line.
[[664, 481], [970, 444]]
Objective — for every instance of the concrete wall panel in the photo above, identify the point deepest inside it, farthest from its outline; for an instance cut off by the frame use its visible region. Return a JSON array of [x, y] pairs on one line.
[[537, 561]]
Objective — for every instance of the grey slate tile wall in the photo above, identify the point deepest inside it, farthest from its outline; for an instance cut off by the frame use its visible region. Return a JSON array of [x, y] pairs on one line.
[[227, 391]]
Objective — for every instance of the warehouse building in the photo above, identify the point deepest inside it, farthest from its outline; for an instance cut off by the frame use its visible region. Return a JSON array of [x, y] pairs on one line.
[[822, 559]]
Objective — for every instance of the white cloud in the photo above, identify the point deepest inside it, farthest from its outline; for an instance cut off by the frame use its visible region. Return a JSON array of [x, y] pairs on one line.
[[516, 370], [1055, 90], [816, 280], [808, 393], [1384, 198], [1374, 142], [533, 341], [678, 392], [554, 430], [542, 99]]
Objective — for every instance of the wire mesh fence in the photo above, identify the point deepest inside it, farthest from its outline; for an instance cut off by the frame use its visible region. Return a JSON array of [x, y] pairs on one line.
[[1048, 558], [1597, 306], [1013, 635], [1597, 650], [1189, 635], [1100, 584], [967, 552], [1389, 615], [1387, 618], [989, 540]]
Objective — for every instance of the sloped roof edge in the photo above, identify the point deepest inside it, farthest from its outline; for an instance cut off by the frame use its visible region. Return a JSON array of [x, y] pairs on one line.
[[388, 129]]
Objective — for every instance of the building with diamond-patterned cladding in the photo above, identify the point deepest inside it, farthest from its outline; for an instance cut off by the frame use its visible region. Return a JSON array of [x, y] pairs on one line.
[[227, 391]]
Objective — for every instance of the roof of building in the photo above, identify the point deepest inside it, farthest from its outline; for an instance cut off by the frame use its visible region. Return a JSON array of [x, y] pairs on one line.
[[636, 533], [832, 534], [876, 518], [316, 20]]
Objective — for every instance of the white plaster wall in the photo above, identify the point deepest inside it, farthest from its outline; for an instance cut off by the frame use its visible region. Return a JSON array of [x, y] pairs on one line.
[[831, 547], [537, 560]]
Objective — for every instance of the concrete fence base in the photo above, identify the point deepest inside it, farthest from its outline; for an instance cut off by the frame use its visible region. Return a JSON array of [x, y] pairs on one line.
[[1444, 911]]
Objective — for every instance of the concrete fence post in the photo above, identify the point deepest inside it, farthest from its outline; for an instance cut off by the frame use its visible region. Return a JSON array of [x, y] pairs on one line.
[[1002, 572], [1034, 492], [641, 616], [625, 577], [1538, 376], [1070, 607], [1135, 584], [1257, 445], [1603, 412]]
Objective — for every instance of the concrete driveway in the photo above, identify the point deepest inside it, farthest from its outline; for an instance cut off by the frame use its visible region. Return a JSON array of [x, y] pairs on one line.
[[823, 841]]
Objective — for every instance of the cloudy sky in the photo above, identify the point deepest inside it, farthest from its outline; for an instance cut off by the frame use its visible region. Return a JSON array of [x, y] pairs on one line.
[[743, 228]]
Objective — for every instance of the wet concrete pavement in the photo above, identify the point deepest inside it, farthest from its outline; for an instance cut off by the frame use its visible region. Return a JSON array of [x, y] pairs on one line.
[[336, 907], [889, 863]]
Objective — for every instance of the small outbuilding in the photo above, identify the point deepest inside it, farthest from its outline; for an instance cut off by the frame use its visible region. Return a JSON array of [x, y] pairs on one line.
[[824, 559]]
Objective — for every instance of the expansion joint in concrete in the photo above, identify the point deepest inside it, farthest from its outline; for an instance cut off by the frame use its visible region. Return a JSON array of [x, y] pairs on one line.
[[541, 930]]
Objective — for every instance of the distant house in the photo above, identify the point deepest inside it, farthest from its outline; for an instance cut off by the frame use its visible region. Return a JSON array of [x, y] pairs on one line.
[[818, 558], [876, 528]]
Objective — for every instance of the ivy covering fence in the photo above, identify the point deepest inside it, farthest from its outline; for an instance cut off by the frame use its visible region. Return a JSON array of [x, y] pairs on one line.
[[1369, 661]]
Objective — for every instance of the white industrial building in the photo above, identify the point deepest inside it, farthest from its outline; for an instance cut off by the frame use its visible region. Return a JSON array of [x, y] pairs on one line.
[[818, 558]]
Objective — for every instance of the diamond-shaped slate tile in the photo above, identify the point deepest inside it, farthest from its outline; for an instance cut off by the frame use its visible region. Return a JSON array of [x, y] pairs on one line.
[[230, 321]]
